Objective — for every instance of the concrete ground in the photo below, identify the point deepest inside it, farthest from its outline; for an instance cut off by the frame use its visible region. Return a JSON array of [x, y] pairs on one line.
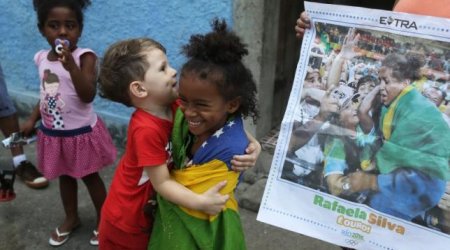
[[26, 222]]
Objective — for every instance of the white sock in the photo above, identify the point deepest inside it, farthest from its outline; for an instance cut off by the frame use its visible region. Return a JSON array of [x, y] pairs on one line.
[[18, 159]]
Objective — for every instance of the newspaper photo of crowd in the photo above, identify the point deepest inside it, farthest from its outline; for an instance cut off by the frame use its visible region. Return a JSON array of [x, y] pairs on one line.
[[373, 123]]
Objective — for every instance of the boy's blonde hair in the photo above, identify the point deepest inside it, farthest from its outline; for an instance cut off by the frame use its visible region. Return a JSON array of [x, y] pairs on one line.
[[123, 63]]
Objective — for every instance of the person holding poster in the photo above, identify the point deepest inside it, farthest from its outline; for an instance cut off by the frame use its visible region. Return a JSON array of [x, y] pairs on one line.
[[437, 8]]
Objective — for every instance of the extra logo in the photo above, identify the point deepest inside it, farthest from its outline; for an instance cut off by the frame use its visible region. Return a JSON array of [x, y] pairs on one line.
[[398, 22]]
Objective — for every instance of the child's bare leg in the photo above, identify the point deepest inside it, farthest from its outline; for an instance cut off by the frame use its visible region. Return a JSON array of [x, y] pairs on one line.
[[68, 188], [97, 191]]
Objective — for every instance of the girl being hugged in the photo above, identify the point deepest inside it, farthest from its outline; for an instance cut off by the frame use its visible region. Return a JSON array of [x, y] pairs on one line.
[[216, 91], [73, 143]]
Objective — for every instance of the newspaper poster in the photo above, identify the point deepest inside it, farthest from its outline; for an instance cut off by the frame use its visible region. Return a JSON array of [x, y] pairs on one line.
[[362, 159]]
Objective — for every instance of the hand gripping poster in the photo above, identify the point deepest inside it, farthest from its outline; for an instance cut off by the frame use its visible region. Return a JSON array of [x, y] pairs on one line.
[[362, 159]]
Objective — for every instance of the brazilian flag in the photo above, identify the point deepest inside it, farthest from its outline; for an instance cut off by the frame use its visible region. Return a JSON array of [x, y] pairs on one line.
[[180, 228], [415, 136]]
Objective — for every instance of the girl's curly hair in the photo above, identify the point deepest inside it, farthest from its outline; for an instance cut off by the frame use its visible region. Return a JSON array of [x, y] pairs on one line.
[[43, 7], [217, 57]]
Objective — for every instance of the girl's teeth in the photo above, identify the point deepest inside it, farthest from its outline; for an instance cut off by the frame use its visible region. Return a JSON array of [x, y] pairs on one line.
[[194, 123]]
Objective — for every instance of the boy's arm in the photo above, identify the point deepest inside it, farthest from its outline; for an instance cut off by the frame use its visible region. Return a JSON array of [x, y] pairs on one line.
[[243, 162], [210, 202]]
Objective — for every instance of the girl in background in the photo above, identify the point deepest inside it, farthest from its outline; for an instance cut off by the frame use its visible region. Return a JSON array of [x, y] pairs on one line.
[[73, 143]]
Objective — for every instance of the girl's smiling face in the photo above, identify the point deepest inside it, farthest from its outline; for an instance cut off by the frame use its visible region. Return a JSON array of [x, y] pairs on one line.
[[203, 106], [61, 23]]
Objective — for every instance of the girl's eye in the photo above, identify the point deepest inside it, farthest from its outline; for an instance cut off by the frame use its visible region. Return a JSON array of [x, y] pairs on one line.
[[203, 105], [71, 23], [53, 25]]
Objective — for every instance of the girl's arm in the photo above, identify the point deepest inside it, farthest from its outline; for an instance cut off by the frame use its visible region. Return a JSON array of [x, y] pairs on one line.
[[83, 77], [365, 121], [27, 127], [210, 202]]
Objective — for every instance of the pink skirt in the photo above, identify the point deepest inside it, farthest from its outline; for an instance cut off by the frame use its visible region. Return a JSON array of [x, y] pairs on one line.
[[78, 155]]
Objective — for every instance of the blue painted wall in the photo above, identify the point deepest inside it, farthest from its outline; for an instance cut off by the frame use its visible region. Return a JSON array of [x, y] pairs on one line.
[[171, 22]]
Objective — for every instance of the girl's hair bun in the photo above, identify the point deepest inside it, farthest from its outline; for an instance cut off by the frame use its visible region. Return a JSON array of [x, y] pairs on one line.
[[219, 46]]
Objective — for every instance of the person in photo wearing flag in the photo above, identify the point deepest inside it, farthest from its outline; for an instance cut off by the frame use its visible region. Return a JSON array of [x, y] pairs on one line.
[[414, 159]]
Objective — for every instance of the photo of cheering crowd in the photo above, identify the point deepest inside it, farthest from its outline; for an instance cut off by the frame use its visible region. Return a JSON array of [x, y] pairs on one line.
[[373, 123]]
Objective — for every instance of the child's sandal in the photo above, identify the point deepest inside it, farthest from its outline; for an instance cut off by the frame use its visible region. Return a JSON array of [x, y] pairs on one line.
[[61, 238], [94, 240]]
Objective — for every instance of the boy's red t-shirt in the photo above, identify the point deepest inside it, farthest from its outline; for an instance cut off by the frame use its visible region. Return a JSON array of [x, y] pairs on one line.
[[147, 145]]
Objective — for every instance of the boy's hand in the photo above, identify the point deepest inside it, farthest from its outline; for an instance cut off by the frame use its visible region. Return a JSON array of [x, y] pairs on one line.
[[241, 163], [302, 24], [213, 200]]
